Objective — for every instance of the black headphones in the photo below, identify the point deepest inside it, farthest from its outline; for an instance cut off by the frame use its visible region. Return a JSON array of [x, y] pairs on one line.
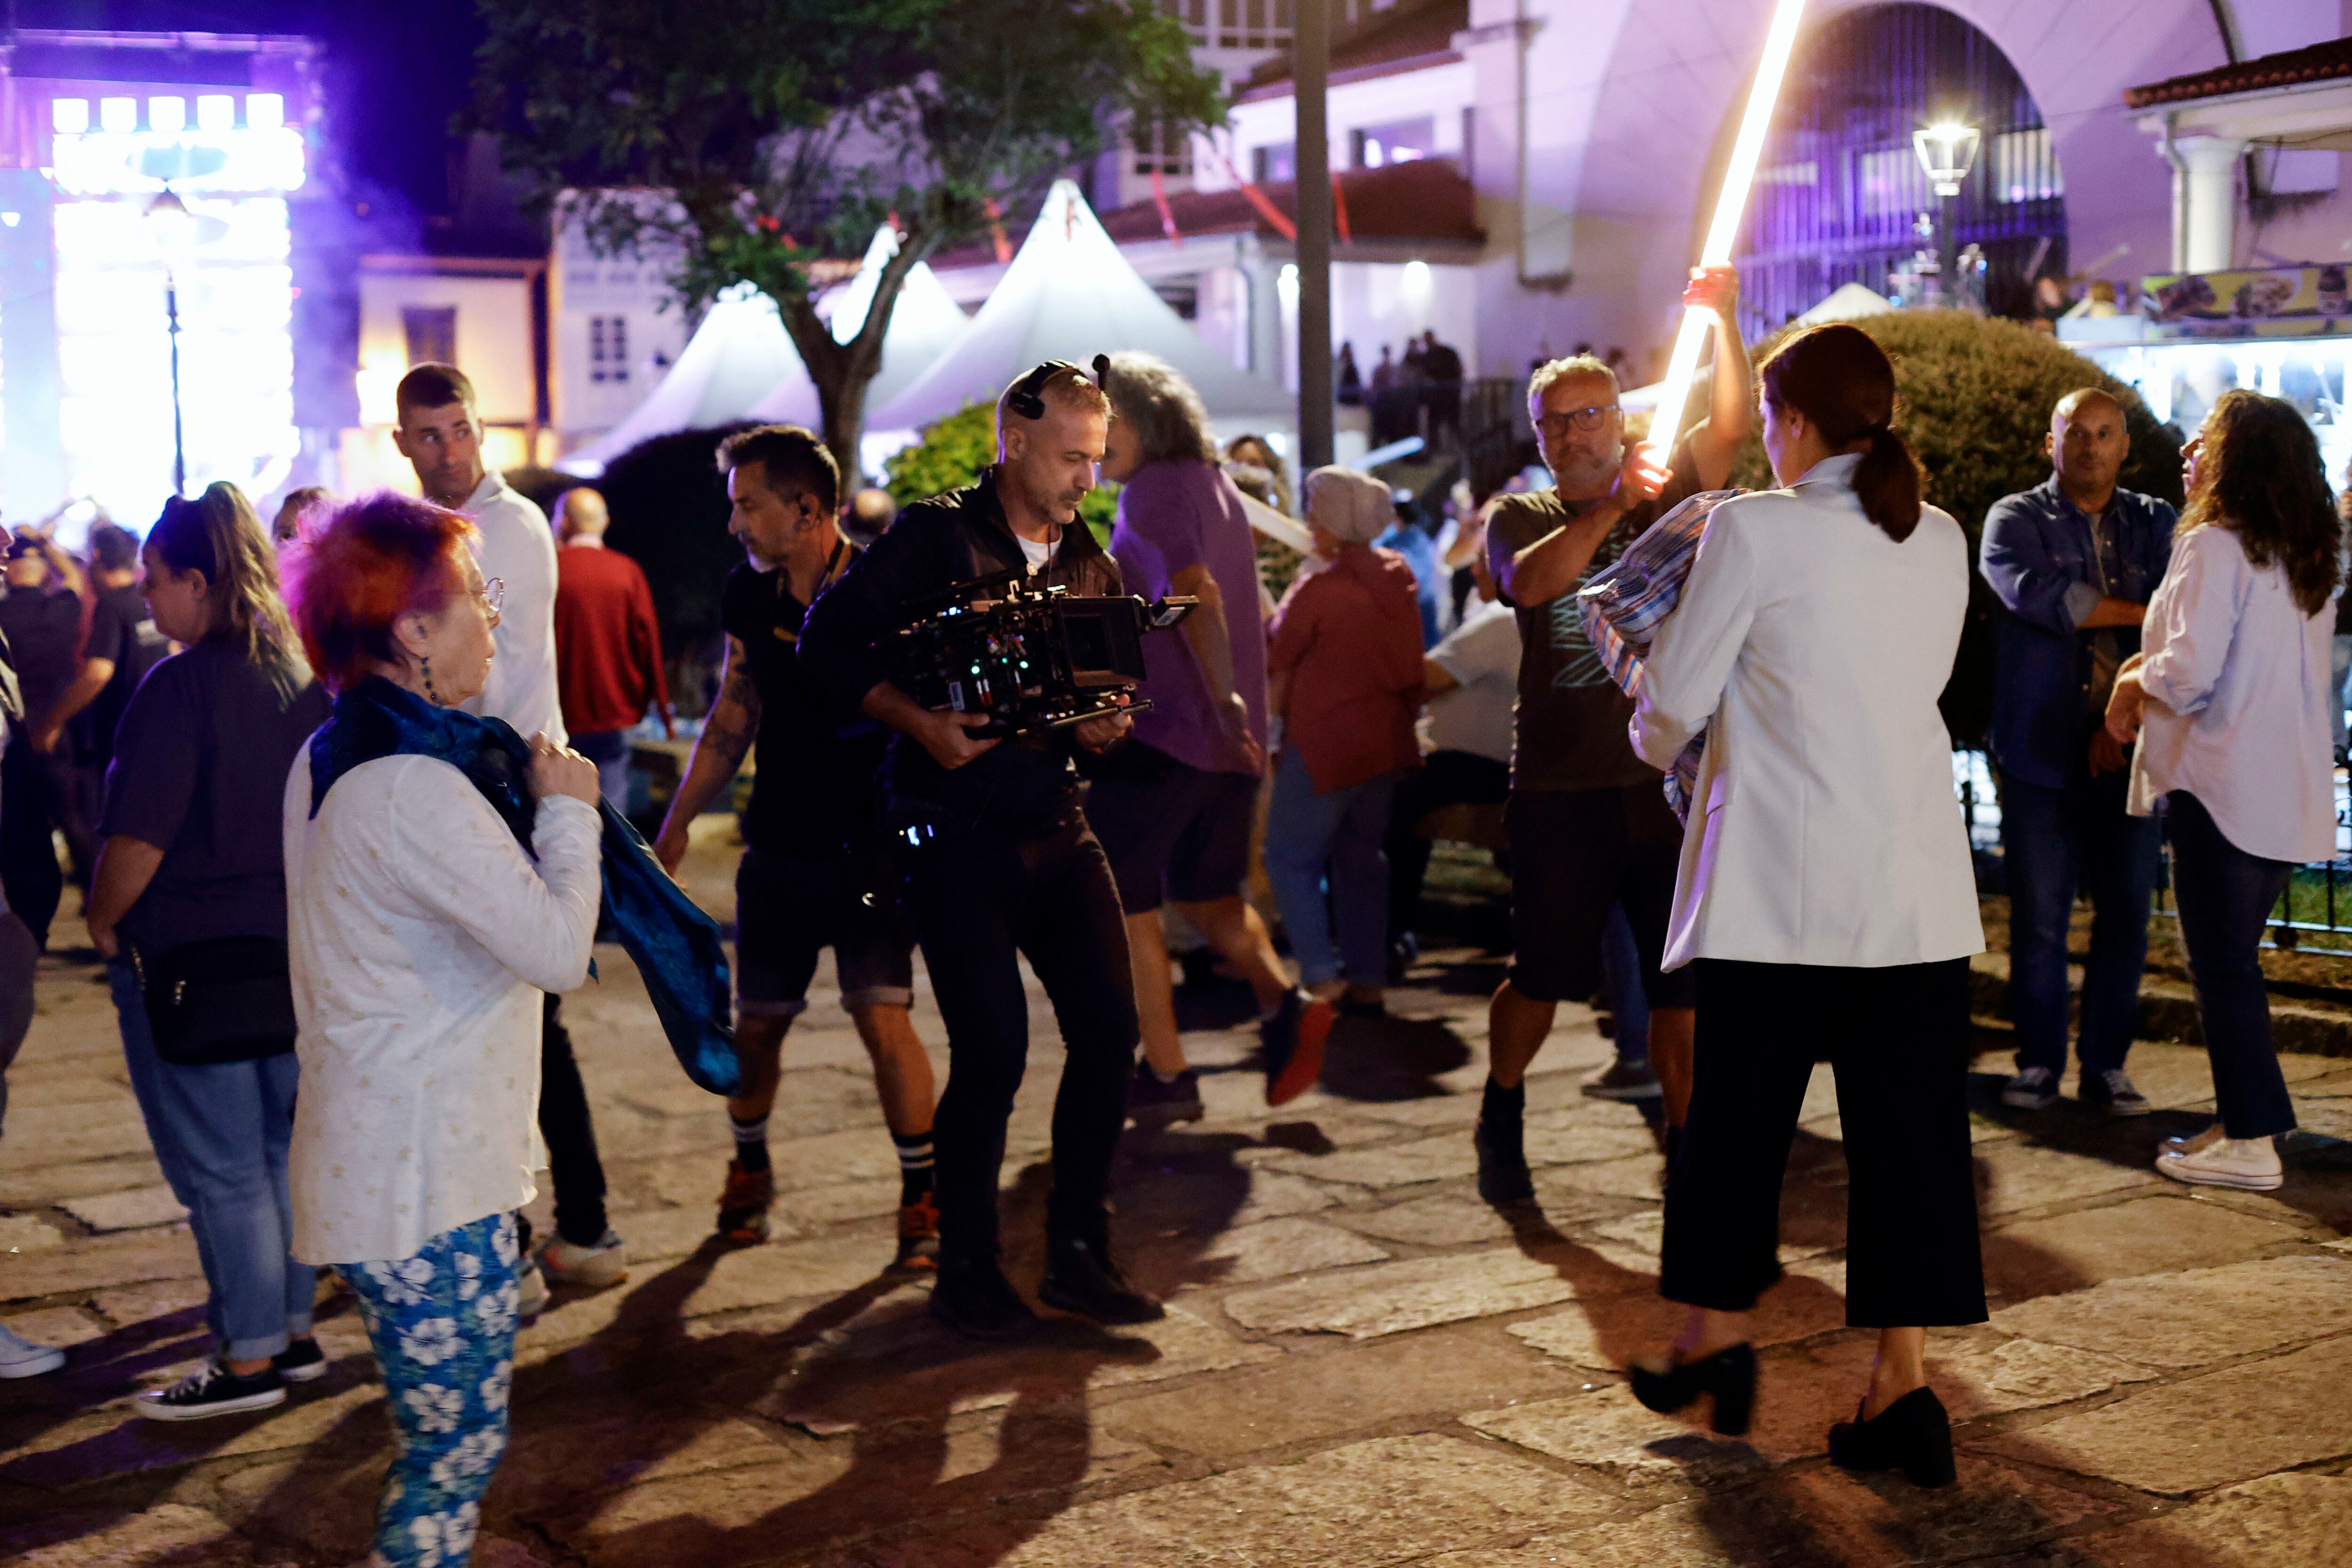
[[1027, 397]]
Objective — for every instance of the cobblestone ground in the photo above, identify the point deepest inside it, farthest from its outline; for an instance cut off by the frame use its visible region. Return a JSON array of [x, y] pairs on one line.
[[1362, 1365]]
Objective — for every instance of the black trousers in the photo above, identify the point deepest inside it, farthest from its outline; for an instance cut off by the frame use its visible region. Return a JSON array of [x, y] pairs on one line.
[[572, 1164], [38, 792], [1445, 778], [979, 899], [1898, 1039]]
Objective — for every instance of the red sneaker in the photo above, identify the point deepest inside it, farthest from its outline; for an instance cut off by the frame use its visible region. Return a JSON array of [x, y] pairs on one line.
[[743, 1206]]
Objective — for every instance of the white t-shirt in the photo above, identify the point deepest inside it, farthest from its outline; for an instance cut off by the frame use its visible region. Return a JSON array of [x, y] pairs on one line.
[[518, 549], [1482, 655], [1037, 552]]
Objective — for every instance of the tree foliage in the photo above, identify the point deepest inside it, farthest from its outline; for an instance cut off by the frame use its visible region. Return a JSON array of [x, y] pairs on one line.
[[743, 140], [1974, 396]]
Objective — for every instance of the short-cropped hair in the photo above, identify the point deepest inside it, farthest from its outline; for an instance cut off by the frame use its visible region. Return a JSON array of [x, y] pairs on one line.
[[1560, 369], [113, 547], [430, 386], [794, 460], [361, 567], [1152, 398], [1068, 387]]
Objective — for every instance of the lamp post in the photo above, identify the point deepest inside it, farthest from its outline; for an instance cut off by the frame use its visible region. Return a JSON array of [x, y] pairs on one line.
[[1946, 151], [173, 226]]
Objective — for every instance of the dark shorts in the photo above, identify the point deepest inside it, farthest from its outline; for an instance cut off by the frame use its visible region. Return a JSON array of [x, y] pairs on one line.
[[1183, 835], [789, 910], [1573, 853]]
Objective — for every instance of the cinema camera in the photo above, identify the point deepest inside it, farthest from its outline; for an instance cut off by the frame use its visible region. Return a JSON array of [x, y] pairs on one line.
[[1030, 658]]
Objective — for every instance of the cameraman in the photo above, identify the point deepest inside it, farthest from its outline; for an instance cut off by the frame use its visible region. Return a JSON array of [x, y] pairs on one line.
[[999, 861]]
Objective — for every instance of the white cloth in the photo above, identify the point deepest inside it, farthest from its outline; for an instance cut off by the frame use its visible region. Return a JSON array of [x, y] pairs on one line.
[[1037, 552], [1813, 647], [2236, 682], [1482, 655], [420, 937], [518, 549]]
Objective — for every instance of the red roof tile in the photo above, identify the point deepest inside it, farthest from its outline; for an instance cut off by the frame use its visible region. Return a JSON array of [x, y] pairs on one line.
[[1427, 200], [2320, 62]]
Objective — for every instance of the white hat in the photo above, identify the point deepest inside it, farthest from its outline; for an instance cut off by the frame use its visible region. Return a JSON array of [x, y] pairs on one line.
[[1354, 508]]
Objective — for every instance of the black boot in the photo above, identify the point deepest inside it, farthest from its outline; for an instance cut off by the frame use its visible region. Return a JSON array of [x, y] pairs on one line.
[[974, 1299], [1081, 1276], [1912, 1435], [1729, 1375]]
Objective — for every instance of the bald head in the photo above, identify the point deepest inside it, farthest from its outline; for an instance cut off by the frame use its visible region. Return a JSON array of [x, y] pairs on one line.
[[2093, 396], [580, 515], [2088, 444]]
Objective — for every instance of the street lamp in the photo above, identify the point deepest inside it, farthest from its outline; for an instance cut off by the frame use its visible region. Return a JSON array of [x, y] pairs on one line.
[[174, 228], [1946, 151]]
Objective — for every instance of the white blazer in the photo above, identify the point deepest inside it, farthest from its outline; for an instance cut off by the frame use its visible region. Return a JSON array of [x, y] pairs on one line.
[[1812, 648]]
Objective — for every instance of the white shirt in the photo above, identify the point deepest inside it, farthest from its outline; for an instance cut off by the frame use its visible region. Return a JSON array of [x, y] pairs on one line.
[[2237, 683], [420, 937], [1482, 655], [518, 548], [1811, 647], [1037, 552]]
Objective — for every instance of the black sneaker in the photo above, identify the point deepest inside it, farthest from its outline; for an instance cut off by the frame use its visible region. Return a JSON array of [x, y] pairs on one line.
[[301, 1361], [1082, 1277], [1153, 1103], [1293, 1039], [977, 1300], [1503, 1178], [214, 1391]]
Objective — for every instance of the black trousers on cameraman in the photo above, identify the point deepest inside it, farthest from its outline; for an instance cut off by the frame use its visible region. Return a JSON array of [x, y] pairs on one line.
[[977, 900]]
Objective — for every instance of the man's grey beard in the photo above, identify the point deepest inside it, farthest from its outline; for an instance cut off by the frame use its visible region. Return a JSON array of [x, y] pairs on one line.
[[1589, 472]]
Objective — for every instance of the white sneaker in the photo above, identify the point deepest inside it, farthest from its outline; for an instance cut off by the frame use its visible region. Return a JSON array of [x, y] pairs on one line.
[[530, 1285], [23, 1358], [2035, 1088], [2252, 1164], [596, 1267]]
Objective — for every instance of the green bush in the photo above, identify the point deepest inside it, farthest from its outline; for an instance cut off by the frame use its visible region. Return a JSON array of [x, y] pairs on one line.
[[951, 455], [1974, 398]]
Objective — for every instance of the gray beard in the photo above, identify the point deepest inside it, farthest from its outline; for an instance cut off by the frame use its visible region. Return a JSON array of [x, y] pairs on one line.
[[1591, 473]]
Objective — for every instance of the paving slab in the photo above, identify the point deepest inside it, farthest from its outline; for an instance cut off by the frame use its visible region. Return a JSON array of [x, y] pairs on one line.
[[2137, 1235], [1389, 1298], [2197, 1316], [134, 1209], [2266, 1524]]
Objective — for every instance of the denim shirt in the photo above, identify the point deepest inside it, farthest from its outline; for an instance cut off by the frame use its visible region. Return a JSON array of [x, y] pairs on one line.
[[2040, 559]]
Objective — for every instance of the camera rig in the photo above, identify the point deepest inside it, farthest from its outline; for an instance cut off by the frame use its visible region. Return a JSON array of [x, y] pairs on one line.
[[1030, 658]]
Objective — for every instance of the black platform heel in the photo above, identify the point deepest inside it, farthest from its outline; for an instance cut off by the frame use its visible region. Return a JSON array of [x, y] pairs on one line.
[[1728, 1376], [1912, 1435]]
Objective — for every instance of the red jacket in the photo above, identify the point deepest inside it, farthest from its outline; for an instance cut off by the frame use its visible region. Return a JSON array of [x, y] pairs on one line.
[[608, 661], [1349, 637]]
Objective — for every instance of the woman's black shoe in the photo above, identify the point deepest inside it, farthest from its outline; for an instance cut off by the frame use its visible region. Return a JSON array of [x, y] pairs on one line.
[[1912, 1435], [973, 1298], [1729, 1375]]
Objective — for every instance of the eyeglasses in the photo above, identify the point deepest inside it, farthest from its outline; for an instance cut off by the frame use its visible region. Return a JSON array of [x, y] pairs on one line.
[[1563, 421], [493, 596]]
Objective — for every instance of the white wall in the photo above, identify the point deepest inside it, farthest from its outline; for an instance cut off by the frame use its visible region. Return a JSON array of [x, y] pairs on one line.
[[631, 288], [493, 336]]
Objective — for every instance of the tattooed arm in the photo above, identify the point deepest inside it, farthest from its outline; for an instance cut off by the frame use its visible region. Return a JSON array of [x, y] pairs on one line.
[[726, 740]]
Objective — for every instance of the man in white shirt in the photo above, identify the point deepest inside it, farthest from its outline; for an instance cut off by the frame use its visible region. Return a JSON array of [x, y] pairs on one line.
[[440, 434]]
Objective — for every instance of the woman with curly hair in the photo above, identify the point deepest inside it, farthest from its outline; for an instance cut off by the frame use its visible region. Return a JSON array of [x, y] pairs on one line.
[[438, 884], [2228, 700]]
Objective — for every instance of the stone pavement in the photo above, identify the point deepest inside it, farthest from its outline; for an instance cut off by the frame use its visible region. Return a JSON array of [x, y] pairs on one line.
[[1362, 1365]]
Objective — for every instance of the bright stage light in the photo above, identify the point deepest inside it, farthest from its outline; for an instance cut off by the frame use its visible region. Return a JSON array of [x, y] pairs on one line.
[[1730, 203]]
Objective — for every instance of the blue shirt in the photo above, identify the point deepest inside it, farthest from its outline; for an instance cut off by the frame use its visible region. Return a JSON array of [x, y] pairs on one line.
[[2042, 559]]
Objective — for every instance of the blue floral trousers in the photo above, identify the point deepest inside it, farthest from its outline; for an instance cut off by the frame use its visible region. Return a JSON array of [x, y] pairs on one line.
[[443, 1325]]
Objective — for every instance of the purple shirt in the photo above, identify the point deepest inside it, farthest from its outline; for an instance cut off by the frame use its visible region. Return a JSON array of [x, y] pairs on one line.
[[1173, 515]]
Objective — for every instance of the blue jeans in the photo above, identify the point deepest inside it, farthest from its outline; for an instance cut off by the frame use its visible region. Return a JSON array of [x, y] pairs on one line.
[[442, 1323], [2051, 841], [1308, 834], [2225, 897], [221, 1134]]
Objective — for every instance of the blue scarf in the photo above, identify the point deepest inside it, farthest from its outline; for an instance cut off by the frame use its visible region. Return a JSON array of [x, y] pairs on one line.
[[677, 947]]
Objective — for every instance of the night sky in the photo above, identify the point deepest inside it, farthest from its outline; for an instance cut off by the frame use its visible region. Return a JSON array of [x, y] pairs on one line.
[[396, 70]]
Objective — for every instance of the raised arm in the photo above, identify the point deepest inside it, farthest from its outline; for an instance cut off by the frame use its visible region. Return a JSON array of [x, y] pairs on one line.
[[1731, 402]]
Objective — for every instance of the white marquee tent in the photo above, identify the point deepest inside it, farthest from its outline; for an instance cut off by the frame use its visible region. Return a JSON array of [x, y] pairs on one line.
[[736, 355], [924, 325], [1070, 295]]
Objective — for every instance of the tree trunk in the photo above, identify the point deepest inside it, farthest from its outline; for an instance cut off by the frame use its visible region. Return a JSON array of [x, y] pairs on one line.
[[843, 371]]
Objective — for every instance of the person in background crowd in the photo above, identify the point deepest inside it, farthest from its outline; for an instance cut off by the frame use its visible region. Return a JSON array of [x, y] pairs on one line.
[[2227, 701], [2072, 563], [422, 933], [297, 505], [1472, 680], [1825, 898], [1348, 382], [1588, 824], [121, 646], [195, 853], [19, 1357], [608, 654], [1174, 808], [871, 511], [1442, 365], [41, 616], [1345, 679], [1409, 537], [815, 873], [1256, 452], [441, 437]]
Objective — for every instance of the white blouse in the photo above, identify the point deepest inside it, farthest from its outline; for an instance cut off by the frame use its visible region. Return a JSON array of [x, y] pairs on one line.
[[420, 937], [2238, 688]]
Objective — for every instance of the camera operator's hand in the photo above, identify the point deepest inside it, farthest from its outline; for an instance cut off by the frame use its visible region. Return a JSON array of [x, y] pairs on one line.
[[1101, 735], [948, 738]]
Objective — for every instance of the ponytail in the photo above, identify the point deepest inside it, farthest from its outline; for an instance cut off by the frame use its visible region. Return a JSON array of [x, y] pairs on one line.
[[1842, 382]]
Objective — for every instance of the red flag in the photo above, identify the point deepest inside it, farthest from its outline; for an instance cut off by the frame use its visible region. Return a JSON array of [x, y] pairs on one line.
[[1339, 208]]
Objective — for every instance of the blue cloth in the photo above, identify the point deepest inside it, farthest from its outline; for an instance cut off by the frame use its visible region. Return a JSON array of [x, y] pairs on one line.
[[2225, 897], [221, 1132], [1428, 575], [2042, 561], [677, 947], [442, 1323], [1308, 834], [2052, 842]]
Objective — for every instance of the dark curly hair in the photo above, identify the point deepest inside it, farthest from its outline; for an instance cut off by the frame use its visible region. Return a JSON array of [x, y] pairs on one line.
[[2259, 472]]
